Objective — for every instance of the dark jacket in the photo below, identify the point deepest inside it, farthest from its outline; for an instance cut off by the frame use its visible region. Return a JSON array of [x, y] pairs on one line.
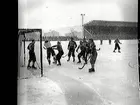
[[58, 47], [93, 48], [72, 44], [31, 47]]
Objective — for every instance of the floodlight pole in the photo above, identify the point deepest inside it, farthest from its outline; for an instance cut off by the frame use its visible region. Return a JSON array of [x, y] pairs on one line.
[[83, 24]]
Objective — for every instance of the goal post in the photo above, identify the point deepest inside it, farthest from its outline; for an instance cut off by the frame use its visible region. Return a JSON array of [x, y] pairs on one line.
[[22, 33]]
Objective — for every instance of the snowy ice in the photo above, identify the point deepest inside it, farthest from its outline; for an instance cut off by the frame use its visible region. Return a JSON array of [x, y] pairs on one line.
[[115, 81]]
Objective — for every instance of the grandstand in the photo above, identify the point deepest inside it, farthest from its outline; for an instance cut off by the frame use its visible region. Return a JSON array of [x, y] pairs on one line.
[[105, 30]]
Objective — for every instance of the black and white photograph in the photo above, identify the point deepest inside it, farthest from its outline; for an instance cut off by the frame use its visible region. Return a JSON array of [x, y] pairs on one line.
[[78, 52]]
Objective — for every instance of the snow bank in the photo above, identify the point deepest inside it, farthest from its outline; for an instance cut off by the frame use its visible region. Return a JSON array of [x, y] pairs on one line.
[[39, 91]]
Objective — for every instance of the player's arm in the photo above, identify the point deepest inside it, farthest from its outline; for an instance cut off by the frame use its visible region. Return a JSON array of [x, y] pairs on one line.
[[77, 48], [45, 46], [68, 46], [29, 46], [54, 47], [75, 44], [119, 42]]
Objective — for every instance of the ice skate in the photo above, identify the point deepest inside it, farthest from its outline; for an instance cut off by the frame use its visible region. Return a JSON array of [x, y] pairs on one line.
[[34, 67], [114, 51], [28, 67], [59, 64], [49, 62], [86, 62], [68, 60], [119, 51], [79, 62], [73, 59], [54, 59], [55, 62], [91, 70]]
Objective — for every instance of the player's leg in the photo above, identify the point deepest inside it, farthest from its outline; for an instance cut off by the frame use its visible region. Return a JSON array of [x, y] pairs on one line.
[[73, 54], [115, 47], [69, 54], [86, 54], [48, 56], [83, 55], [110, 42], [53, 54], [79, 57], [29, 61], [92, 65], [119, 48], [59, 55], [92, 62], [58, 59], [34, 60]]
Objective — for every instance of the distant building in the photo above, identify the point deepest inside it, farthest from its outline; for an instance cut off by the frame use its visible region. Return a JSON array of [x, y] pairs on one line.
[[51, 33], [75, 34], [110, 30]]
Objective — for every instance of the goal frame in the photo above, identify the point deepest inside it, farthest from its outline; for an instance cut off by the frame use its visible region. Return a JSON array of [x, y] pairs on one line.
[[23, 32]]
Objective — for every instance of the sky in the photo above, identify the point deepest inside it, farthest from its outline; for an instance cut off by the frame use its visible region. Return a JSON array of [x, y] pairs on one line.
[[53, 14]]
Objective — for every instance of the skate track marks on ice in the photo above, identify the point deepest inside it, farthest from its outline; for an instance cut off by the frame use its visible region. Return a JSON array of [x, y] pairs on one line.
[[76, 92]]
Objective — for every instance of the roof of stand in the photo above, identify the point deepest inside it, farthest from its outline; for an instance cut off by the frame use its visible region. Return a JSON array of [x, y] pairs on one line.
[[111, 23]]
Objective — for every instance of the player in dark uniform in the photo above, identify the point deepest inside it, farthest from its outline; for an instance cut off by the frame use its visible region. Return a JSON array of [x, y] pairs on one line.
[[85, 44], [101, 42], [71, 47], [60, 52], [109, 41], [82, 47], [88, 51], [117, 46], [93, 55], [32, 56]]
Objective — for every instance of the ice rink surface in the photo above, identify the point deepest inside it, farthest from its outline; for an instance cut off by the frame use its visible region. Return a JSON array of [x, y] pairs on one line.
[[114, 82]]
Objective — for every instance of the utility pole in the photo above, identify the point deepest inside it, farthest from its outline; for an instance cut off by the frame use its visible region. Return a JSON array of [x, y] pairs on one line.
[[83, 24]]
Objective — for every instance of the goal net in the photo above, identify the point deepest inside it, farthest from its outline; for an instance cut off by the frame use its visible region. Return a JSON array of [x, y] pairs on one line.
[[24, 39]]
